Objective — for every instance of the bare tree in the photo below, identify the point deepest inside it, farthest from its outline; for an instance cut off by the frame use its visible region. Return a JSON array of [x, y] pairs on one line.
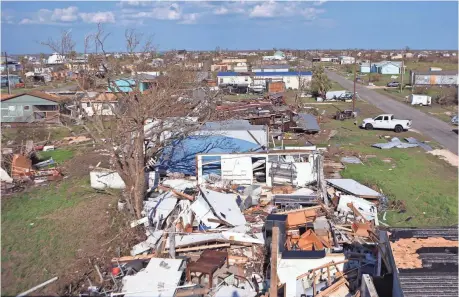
[[169, 109], [62, 46]]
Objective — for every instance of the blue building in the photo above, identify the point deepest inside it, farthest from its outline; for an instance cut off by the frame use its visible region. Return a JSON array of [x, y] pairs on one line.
[[384, 67], [144, 82]]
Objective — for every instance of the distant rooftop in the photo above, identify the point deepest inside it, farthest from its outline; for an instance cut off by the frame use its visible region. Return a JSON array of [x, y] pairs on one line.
[[289, 73]]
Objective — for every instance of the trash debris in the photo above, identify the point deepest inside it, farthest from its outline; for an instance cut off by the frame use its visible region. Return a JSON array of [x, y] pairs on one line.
[[351, 160], [102, 179], [423, 145], [394, 142]]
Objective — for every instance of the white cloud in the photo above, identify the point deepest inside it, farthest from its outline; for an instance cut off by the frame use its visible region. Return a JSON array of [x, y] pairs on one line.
[[221, 10], [7, 18], [320, 2], [311, 13], [273, 9], [56, 16], [264, 10], [190, 18], [98, 17], [69, 14]]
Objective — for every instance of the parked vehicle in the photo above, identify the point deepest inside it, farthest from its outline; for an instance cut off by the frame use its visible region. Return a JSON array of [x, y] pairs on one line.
[[387, 122], [421, 100], [454, 120], [393, 84]]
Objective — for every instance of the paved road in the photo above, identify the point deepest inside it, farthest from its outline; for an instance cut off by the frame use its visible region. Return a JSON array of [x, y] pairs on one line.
[[428, 125]]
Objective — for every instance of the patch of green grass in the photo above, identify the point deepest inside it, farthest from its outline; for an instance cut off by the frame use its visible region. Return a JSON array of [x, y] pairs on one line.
[[427, 185], [58, 156]]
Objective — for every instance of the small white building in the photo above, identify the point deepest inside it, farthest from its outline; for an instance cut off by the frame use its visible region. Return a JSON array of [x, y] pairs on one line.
[[396, 57], [277, 56], [408, 55], [55, 59], [291, 79], [241, 67], [346, 60]]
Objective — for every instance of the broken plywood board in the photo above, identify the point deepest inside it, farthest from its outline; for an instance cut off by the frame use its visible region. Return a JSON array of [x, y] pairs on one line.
[[353, 187], [161, 277], [224, 206]]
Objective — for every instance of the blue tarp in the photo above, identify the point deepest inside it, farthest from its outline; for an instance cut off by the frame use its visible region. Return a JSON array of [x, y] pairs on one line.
[[181, 156]]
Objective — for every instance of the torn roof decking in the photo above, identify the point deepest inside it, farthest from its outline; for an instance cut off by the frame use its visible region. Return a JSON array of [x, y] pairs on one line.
[[160, 278], [352, 187], [224, 206], [426, 261]]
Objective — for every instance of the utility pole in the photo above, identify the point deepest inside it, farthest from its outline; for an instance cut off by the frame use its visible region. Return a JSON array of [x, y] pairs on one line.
[[402, 70], [355, 81], [7, 73]]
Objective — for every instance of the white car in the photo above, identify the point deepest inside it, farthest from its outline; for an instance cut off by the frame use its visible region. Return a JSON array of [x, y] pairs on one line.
[[387, 122]]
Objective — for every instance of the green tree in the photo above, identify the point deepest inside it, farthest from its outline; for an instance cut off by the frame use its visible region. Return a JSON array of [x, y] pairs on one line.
[[320, 82]]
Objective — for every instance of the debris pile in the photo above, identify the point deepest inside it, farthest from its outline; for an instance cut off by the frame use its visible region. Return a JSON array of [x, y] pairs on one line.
[[218, 233]]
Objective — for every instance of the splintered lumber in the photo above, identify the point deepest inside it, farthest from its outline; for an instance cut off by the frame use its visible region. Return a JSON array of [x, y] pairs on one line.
[[132, 258], [37, 287], [274, 252], [191, 292], [300, 209], [177, 193], [203, 247], [237, 259]]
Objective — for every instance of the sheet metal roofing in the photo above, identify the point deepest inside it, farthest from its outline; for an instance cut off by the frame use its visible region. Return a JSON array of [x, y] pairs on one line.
[[352, 187], [308, 122], [288, 73]]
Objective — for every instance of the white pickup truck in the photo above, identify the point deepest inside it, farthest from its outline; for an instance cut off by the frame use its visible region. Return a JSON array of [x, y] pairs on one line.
[[387, 122]]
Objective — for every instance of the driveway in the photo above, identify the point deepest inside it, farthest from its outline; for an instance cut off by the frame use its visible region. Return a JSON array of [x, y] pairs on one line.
[[436, 129]]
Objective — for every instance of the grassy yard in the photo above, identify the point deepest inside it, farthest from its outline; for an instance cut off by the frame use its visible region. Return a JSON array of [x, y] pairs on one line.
[[38, 133], [424, 66], [61, 229], [58, 156], [427, 184]]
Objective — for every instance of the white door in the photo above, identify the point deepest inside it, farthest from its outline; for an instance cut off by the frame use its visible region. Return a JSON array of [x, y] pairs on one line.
[[386, 123], [379, 122]]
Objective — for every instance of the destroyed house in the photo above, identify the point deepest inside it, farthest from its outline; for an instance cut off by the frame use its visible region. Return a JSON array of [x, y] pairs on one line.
[[213, 137], [295, 168], [31, 107], [424, 261]]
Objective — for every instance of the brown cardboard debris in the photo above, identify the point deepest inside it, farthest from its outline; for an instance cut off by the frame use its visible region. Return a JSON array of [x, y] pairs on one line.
[[77, 139], [21, 166], [404, 250]]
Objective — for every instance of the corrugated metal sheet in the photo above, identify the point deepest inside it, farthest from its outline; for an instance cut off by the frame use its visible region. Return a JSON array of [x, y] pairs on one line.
[[308, 122], [352, 187]]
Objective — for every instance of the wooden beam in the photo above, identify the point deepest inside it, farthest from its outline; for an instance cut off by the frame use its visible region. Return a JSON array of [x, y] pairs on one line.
[[328, 291], [300, 209], [274, 252], [177, 193], [203, 247], [332, 263], [131, 258]]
